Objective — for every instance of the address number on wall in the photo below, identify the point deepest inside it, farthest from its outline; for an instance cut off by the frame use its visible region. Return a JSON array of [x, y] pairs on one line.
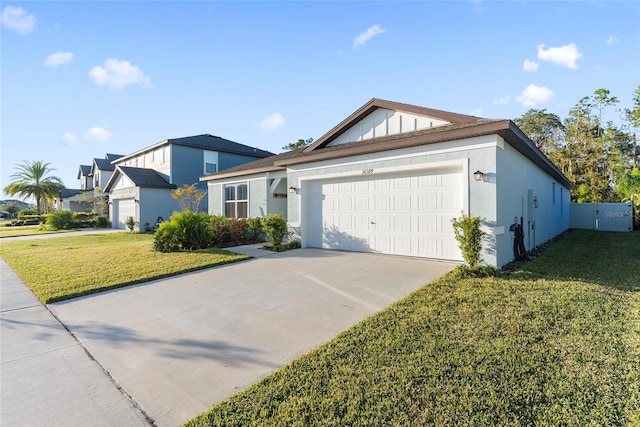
[[367, 171]]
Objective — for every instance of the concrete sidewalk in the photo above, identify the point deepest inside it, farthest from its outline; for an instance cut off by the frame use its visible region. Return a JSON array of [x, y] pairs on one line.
[[180, 344], [46, 377]]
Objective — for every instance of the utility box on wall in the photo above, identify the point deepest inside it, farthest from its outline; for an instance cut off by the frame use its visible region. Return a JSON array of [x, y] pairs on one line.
[[602, 216]]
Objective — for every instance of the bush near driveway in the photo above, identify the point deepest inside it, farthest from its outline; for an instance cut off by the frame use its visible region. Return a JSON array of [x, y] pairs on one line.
[[555, 343], [71, 266]]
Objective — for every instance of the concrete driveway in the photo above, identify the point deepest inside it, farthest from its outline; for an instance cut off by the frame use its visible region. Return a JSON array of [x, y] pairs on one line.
[[180, 344]]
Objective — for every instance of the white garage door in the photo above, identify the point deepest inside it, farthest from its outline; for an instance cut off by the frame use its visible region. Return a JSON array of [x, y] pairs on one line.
[[125, 209], [392, 214]]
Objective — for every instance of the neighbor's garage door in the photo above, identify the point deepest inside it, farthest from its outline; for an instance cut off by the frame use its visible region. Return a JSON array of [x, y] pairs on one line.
[[125, 209], [406, 214]]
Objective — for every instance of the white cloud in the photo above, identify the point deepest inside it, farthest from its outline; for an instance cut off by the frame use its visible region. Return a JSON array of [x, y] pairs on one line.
[[611, 40], [566, 55], [533, 95], [17, 19], [367, 35], [98, 134], [70, 138], [476, 112], [117, 74], [502, 101], [58, 58], [530, 66], [272, 122]]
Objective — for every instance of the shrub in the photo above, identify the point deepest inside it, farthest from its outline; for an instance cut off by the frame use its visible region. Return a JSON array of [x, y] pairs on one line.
[[237, 230], [469, 237], [84, 219], [293, 244], [221, 230], [254, 229], [60, 220], [28, 211], [185, 231], [276, 227], [101, 221]]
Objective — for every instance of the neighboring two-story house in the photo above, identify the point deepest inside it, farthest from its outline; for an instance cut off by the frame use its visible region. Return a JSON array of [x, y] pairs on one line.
[[142, 182]]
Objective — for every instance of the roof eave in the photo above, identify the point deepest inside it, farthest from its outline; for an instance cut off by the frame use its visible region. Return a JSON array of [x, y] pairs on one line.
[[223, 175], [411, 141]]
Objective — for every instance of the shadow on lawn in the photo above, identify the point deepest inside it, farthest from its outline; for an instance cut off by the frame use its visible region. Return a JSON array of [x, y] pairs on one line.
[[604, 258]]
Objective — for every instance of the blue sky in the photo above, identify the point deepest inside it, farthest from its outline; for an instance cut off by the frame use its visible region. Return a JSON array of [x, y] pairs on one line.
[[80, 79]]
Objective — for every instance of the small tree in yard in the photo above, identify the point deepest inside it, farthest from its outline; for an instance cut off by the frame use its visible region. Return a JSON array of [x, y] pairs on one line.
[[131, 223], [189, 197], [469, 237]]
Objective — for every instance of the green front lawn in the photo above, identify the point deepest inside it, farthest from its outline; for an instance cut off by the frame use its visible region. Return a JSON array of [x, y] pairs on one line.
[[555, 343], [27, 230], [70, 266]]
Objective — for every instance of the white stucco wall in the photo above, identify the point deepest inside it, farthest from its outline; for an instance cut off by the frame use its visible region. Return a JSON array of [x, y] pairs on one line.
[[516, 177]]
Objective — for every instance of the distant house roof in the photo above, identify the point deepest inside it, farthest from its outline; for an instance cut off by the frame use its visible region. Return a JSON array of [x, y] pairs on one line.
[[103, 164], [111, 157], [460, 127], [66, 193], [206, 142], [85, 170], [141, 177], [257, 166]]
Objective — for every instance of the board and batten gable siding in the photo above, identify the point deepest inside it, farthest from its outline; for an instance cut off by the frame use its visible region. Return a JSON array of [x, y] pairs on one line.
[[518, 182], [385, 122], [158, 159]]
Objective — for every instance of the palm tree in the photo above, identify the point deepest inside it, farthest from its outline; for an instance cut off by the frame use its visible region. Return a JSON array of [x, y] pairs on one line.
[[31, 180]]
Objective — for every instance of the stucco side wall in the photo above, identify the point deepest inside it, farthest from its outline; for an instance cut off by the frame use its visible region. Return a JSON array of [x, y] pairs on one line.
[[277, 196], [155, 202], [258, 192], [516, 178], [466, 155]]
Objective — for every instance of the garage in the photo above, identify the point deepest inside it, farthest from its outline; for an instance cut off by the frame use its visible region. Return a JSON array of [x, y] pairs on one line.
[[124, 208], [400, 214]]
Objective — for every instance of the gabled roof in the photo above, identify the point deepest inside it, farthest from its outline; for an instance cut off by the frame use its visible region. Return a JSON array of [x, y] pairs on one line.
[[141, 177], [85, 170], [376, 103], [105, 164], [111, 157], [460, 127], [206, 142], [257, 166]]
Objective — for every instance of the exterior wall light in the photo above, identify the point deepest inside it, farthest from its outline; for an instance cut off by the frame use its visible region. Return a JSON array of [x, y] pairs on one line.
[[478, 176], [292, 189]]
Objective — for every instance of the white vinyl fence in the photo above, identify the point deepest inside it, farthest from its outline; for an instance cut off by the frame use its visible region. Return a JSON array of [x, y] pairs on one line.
[[602, 216]]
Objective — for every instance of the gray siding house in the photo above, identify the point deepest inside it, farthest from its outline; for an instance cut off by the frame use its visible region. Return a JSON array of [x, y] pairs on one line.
[[142, 182], [390, 177]]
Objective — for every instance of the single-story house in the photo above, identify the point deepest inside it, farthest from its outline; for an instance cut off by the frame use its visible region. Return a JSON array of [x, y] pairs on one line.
[[74, 200], [142, 182], [390, 177]]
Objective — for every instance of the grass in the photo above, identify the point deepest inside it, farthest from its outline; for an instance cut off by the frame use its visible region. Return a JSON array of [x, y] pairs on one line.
[[70, 266], [554, 343], [27, 230]]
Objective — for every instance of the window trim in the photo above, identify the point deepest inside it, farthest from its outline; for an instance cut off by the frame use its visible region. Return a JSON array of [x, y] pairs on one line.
[[235, 202]]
